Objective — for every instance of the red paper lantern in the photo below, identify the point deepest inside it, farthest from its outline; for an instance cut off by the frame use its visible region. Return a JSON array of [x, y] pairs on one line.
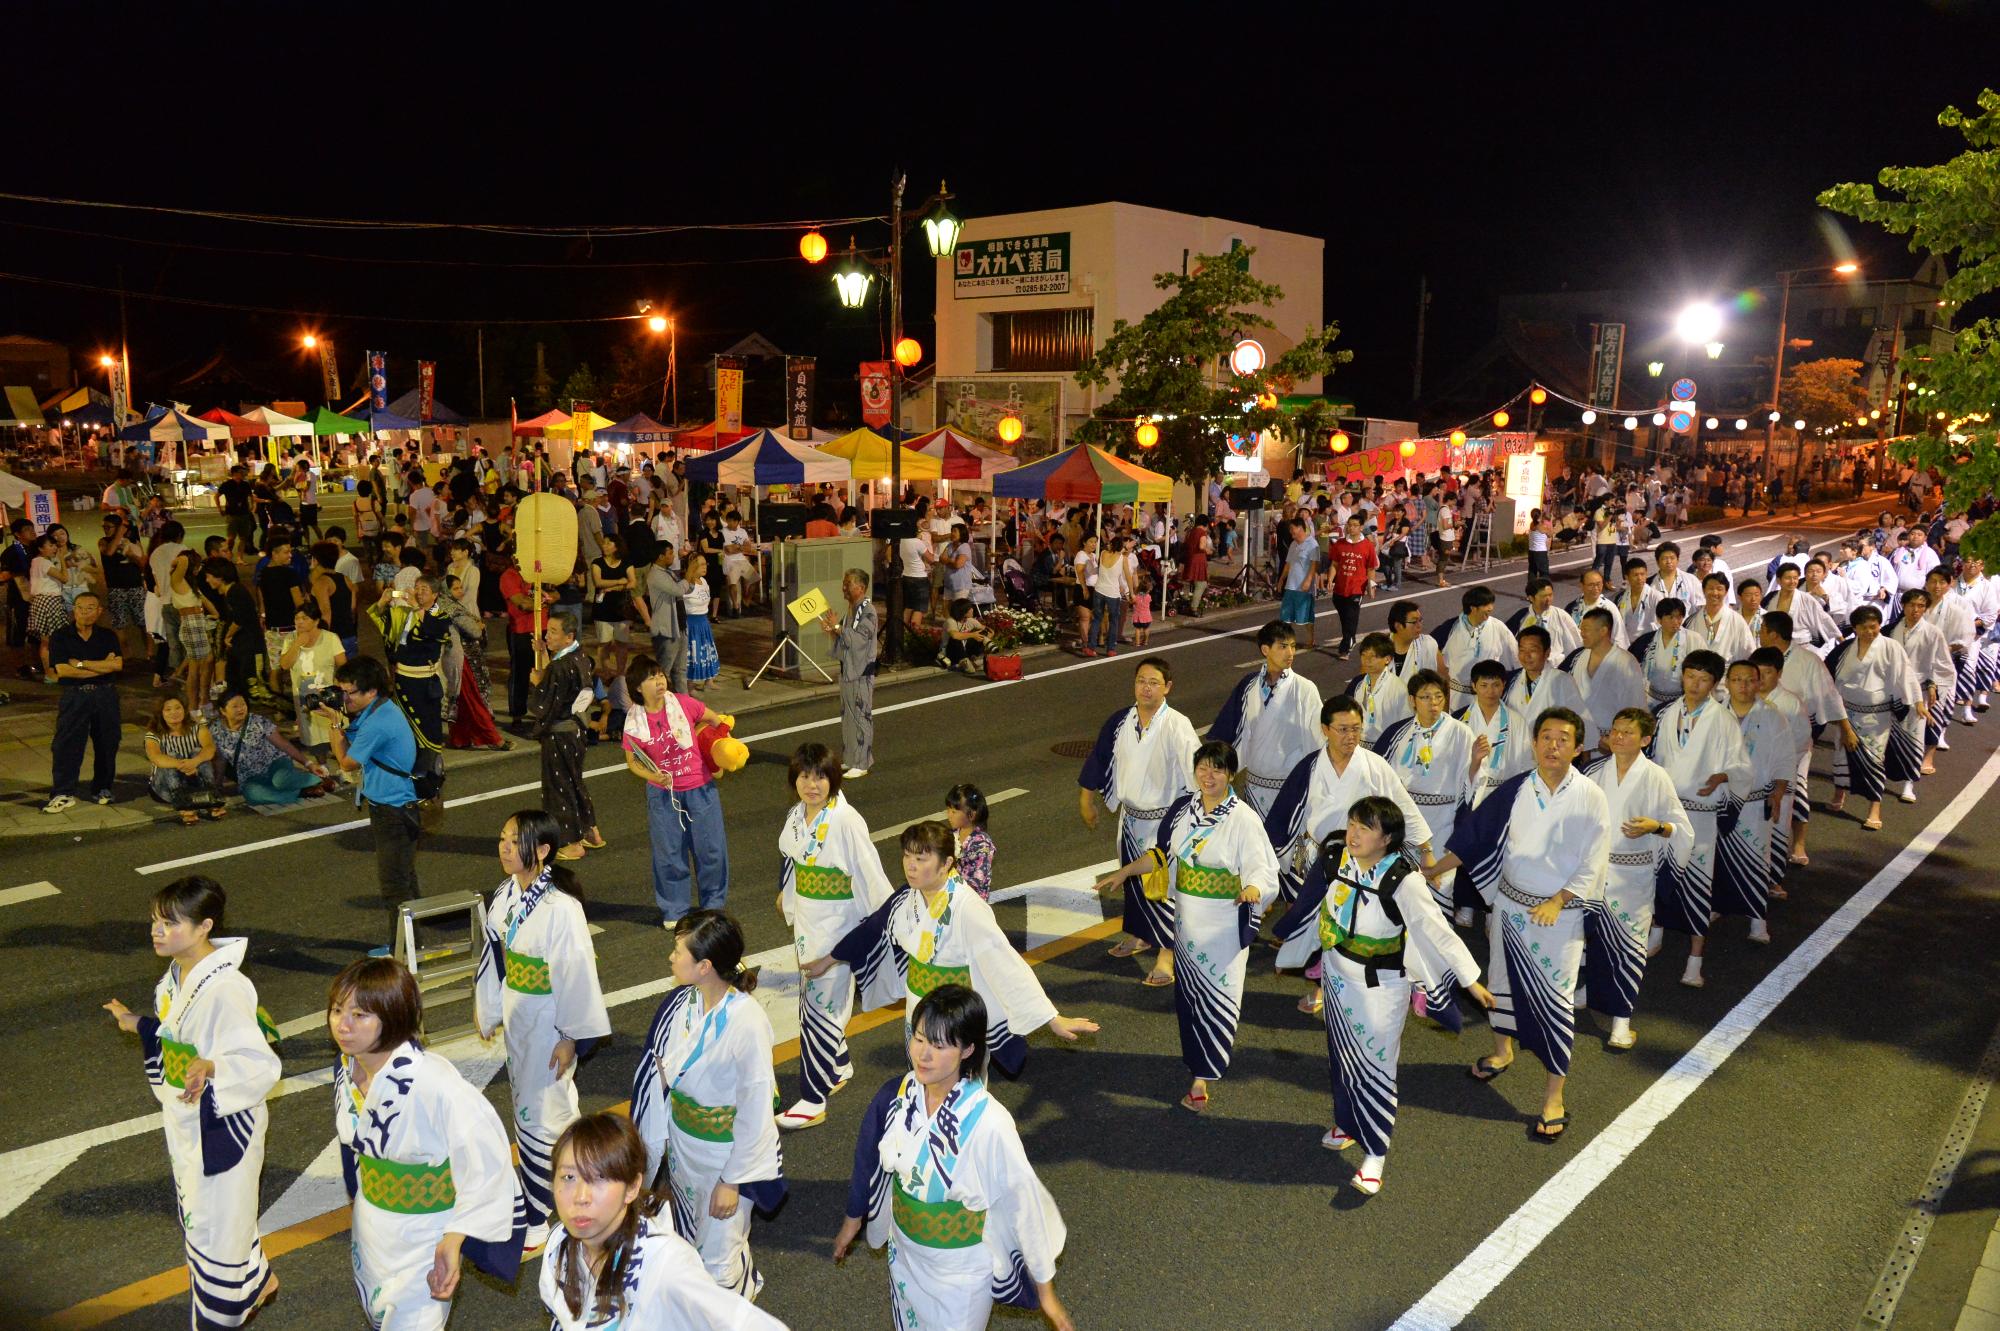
[[812, 247], [908, 352]]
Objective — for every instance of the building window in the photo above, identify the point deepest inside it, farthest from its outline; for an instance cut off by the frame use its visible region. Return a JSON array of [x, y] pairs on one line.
[[1052, 341], [1865, 316]]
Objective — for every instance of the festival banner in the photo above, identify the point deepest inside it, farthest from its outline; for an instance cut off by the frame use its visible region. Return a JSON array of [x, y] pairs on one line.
[[729, 394], [579, 429], [378, 380], [41, 508], [120, 393], [1607, 352], [329, 371], [799, 385], [426, 388], [875, 392]]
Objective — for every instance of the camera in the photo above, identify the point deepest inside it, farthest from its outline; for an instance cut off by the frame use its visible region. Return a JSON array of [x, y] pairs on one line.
[[329, 696]]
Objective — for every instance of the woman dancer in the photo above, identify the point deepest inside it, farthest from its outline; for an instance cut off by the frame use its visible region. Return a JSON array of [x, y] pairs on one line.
[[1224, 878], [941, 1177], [210, 1067], [537, 978], [1433, 755], [830, 880], [703, 1099]]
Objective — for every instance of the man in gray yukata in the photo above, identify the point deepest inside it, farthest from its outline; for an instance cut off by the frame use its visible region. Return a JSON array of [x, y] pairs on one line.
[[854, 648]]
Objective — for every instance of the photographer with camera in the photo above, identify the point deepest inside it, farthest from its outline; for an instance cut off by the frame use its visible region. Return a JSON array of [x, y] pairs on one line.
[[371, 735]]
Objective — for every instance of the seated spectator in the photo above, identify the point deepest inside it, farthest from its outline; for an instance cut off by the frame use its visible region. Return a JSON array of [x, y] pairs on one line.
[[180, 751], [267, 767], [964, 640]]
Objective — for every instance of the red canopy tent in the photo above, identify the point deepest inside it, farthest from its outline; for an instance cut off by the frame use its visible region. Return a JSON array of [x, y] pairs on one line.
[[709, 437], [239, 427], [536, 425], [963, 457]]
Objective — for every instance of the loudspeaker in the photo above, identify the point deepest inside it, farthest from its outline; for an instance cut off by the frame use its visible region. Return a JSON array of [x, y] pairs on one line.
[[1247, 499], [892, 524], [776, 521]]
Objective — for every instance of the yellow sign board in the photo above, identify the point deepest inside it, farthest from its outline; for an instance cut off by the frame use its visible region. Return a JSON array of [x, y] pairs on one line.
[[808, 607]]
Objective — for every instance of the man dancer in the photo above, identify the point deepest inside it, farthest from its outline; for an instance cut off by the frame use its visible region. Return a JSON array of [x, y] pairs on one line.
[[1660, 652], [1701, 747], [1541, 612], [1539, 684], [1717, 627], [1271, 717], [560, 690], [1607, 676], [1591, 584], [1474, 636], [1383, 694], [854, 647], [1415, 649]]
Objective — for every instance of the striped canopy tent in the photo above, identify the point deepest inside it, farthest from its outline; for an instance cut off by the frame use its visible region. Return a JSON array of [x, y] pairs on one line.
[[277, 425], [174, 427], [766, 459], [870, 454], [1085, 475], [327, 421], [961, 457], [240, 427], [534, 425]]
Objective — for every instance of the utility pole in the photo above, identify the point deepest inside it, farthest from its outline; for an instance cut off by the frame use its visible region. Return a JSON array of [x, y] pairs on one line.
[[480, 333], [895, 641], [1423, 309]]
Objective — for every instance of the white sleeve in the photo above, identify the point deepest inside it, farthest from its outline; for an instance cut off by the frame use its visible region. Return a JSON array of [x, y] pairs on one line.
[[246, 1067], [1002, 973], [489, 999], [857, 850], [1439, 950], [482, 1159], [1587, 881], [754, 1153], [1021, 1216], [580, 1012]]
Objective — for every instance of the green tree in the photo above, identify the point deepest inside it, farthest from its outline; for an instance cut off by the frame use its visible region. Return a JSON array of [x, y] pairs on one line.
[[1172, 365], [581, 385], [1952, 209], [1824, 393]]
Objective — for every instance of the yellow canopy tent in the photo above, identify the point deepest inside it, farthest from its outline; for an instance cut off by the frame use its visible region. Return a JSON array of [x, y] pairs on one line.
[[871, 453]]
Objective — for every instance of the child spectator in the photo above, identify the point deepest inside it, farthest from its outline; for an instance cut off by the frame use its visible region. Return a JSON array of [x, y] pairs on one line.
[[1142, 609], [965, 809]]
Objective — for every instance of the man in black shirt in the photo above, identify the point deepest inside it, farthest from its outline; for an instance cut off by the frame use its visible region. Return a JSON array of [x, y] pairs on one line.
[[279, 587], [84, 659], [242, 633], [233, 497], [14, 566]]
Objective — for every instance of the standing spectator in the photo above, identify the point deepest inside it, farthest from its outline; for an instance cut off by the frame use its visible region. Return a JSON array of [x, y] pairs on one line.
[[180, 748], [48, 607], [241, 632], [281, 590], [965, 810], [559, 679], [1114, 578], [1142, 609], [306, 484], [1540, 527], [233, 498], [704, 662], [914, 552], [85, 660], [167, 551], [854, 647], [124, 565], [1351, 565], [16, 565], [663, 608], [522, 631], [1301, 575], [330, 591], [612, 582], [1196, 550], [367, 510], [683, 811], [312, 654], [372, 736], [423, 504]]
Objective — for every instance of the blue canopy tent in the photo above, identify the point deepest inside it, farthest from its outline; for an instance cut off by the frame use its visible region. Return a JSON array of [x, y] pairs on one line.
[[638, 428], [90, 413], [386, 420], [766, 459], [173, 427], [410, 405]]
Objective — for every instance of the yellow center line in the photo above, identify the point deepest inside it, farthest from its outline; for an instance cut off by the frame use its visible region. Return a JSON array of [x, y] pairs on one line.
[[174, 1284]]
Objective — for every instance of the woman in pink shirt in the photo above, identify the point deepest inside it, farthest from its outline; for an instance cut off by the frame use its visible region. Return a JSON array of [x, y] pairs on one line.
[[683, 811]]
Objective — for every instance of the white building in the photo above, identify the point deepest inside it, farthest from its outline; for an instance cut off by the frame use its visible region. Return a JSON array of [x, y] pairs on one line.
[[1028, 297]]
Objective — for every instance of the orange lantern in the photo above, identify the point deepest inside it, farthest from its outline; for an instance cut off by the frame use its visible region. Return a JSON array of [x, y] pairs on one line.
[[1010, 426], [1408, 448], [1458, 439], [1538, 396], [908, 352], [1340, 441], [1268, 400], [812, 247], [1500, 419], [1148, 434]]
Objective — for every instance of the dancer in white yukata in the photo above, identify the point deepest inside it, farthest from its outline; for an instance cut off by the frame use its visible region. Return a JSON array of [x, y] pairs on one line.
[[1271, 717], [1805, 676], [1539, 849], [1886, 712], [537, 979], [1143, 761], [830, 878], [425, 1157], [1756, 800], [935, 930], [210, 1065], [1537, 685], [1661, 650], [1650, 843], [1672, 580], [1383, 946], [1314, 804], [1956, 619], [1474, 635], [615, 1263], [1636, 602], [1436, 757], [1608, 676], [702, 1095], [1717, 627], [1383, 694], [1224, 876], [1500, 744], [1812, 626], [1701, 747], [1415, 649], [1542, 612], [1930, 657], [1770, 664], [1591, 586], [941, 1177]]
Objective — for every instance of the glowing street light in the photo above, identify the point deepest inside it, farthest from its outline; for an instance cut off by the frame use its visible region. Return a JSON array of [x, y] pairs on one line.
[[309, 342], [1848, 269], [852, 279], [1714, 350], [1742, 424], [1798, 425], [1656, 368], [1659, 418], [1590, 418], [106, 362], [1699, 322], [657, 323], [1631, 422]]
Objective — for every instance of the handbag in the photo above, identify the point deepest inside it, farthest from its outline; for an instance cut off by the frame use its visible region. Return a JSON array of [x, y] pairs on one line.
[[1155, 885]]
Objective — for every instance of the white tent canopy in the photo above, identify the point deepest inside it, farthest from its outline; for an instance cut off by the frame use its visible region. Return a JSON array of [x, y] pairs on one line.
[[277, 424]]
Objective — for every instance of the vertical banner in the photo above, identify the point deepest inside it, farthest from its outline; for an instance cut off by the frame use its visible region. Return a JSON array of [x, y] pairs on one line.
[[729, 394], [875, 392], [378, 380], [799, 377], [329, 372], [1607, 364], [41, 509], [580, 433], [119, 393], [426, 388]]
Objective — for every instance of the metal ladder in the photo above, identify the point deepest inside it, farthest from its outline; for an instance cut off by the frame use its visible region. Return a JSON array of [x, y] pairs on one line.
[[443, 964], [1481, 540]]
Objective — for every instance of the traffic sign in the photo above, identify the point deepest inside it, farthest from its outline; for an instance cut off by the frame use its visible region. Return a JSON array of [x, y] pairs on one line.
[[1681, 421], [1683, 390]]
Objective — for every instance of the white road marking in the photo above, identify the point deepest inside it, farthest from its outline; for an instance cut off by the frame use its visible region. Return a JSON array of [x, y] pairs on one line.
[[14, 896], [938, 817], [227, 852], [1453, 1298]]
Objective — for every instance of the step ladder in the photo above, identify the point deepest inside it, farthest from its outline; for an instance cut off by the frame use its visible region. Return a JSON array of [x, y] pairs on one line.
[[1480, 545], [443, 962]]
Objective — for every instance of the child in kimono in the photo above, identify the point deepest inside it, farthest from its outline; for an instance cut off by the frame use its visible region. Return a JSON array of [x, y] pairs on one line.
[[1224, 876], [941, 1177], [1370, 918], [703, 1098], [424, 1156], [537, 979], [830, 879], [210, 1067], [611, 1226], [938, 931]]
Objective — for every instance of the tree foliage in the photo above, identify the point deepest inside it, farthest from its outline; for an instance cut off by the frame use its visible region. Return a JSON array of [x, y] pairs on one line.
[[1824, 393], [581, 386], [1952, 209], [1173, 365]]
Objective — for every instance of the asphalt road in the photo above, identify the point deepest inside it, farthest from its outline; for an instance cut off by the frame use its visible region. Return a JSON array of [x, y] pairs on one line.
[[1768, 1198]]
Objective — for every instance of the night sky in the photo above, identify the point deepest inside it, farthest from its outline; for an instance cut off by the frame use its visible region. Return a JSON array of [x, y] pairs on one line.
[[1534, 149]]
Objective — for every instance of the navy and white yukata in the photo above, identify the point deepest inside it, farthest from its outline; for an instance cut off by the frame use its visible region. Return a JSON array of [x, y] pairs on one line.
[[1434, 763], [1463, 645], [1272, 726], [1880, 691], [1314, 804], [1615, 949], [1139, 773], [1694, 744]]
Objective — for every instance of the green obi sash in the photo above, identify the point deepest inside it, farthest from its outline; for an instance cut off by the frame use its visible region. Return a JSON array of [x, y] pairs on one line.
[[174, 1060], [526, 974], [709, 1123], [407, 1189], [925, 977], [1198, 880], [936, 1224], [819, 882], [1333, 937]]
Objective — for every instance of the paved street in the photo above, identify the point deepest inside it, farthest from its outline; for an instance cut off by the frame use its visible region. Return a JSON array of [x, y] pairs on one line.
[[1795, 1144]]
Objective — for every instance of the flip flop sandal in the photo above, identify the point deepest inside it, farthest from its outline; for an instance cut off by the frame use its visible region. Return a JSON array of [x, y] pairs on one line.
[[1155, 980], [1488, 1067], [1194, 1103], [1560, 1123], [598, 844], [1128, 948], [1313, 1004], [1779, 893], [1873, 824]]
